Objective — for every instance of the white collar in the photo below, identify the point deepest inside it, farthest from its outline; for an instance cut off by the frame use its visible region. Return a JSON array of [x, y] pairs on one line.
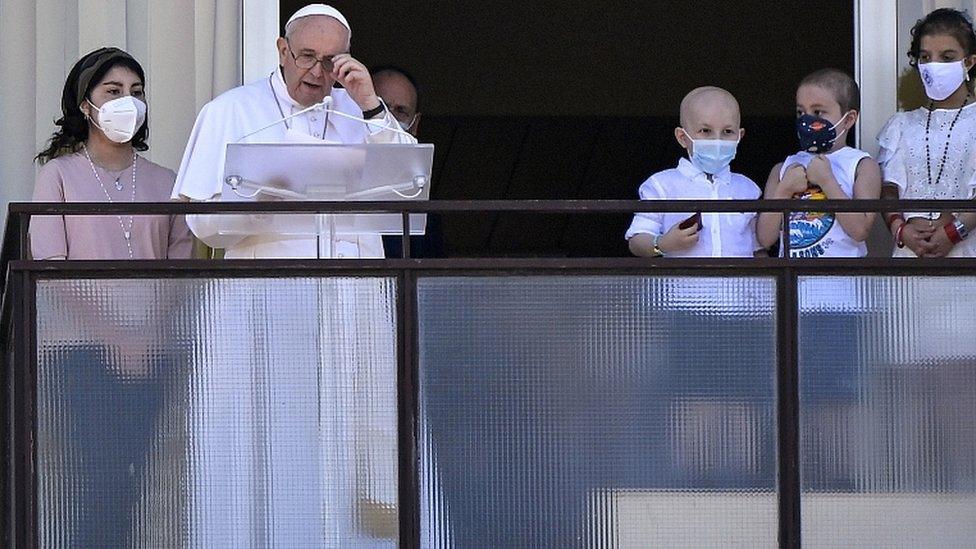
[[285, 98], [691, 171], [281, 91]]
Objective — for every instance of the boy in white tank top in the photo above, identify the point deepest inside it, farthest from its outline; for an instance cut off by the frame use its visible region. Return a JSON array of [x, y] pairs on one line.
[[827, 103]]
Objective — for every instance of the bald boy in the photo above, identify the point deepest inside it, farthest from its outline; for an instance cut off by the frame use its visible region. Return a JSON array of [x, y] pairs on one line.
[[709, 113], [710, 131], [709, 103]]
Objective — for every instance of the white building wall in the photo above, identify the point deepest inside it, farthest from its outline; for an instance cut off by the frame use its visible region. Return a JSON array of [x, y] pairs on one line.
[[191, 50]]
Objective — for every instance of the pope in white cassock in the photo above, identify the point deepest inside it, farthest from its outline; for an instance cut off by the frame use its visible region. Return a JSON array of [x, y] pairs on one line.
[[312, 56], [292, 419]]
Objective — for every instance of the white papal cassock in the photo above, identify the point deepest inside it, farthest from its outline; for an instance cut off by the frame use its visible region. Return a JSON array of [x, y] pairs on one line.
[[293, 422], [243, 110]]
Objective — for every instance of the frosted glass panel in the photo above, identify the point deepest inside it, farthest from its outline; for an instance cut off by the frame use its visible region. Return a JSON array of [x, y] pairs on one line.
[[888, 411], [597, 411], [217, 413]]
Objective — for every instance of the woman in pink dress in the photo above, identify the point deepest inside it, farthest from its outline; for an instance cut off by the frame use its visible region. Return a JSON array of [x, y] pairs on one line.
[[93, 157], [105, 363]]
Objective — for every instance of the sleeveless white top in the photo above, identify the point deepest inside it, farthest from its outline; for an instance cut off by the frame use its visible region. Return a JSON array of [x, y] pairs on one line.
[[819, 234]]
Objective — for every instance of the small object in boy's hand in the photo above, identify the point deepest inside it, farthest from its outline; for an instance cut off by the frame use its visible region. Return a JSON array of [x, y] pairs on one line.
[[691, 221]]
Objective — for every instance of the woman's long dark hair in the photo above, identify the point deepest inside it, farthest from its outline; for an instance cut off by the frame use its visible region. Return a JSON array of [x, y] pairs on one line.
[[73, 126]]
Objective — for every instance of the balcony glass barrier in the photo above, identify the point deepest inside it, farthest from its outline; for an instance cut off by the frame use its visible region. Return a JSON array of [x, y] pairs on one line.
[[216, 413], [504, 402], [888, 411]]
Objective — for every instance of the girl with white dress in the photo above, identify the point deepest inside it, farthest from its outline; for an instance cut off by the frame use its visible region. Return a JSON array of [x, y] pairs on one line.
[[930, 152]]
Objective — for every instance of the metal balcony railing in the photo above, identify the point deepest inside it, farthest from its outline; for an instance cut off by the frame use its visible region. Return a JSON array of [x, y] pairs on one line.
[[20, 317]]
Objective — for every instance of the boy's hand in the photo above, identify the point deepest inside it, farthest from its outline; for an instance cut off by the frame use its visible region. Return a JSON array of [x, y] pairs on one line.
[[819, 171], [678, 239], [793, 183]]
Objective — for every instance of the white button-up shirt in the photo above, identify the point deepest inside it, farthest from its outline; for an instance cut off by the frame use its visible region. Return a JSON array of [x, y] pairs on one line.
[[722, 234]]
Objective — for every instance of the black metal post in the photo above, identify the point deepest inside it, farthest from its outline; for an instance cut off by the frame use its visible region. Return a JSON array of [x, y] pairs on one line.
[[23, 469], [405, 237], [8, 345], [788, 416], [407, 410], [23, 244], [785, 233]]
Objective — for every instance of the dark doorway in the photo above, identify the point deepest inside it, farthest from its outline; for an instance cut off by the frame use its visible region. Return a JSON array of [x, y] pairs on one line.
[[580, 100]]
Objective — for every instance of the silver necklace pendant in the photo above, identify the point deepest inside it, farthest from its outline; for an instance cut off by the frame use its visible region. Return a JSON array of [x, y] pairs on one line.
[[126, 231]]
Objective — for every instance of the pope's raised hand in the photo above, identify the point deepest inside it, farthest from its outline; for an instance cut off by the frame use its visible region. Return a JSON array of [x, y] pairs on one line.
[[355, 78]]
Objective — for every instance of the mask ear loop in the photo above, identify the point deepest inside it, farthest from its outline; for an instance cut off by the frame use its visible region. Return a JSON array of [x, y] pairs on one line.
[[410, 125], [91, 120], [842, 132], [688, 137]]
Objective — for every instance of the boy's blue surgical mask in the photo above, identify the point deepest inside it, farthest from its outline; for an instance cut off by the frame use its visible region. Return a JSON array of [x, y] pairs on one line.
[[942, 79], [817, 135], [712, 155]]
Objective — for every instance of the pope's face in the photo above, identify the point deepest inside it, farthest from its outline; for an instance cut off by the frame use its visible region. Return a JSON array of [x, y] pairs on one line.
[[317, 37]]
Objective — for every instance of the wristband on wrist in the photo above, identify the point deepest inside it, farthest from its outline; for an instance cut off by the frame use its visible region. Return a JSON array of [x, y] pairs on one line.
[[372, 113], [961, 228], [655, 249], [952, 232], [898, 240], [894, 217]]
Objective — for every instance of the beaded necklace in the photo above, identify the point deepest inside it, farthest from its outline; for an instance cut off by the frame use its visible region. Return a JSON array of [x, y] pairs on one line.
[[126, 232], [945, 150]]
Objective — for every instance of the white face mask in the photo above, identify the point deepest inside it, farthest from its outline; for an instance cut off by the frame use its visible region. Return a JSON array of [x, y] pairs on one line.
[[942, 79], [120, 119], [407, 125]]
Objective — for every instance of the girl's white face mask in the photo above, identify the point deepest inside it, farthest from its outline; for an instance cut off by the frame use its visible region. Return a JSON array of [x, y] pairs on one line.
[[942, 79], [120, 119]]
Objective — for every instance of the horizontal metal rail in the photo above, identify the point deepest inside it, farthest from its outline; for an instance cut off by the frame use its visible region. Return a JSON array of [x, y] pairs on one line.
[[707, 266], [446, 206]]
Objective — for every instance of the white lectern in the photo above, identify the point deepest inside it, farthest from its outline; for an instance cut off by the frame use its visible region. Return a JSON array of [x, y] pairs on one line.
[[334, 172]]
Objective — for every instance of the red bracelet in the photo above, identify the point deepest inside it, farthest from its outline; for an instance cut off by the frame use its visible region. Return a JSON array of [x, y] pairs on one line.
[[893, 217], [898, 241], [952, 233]]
